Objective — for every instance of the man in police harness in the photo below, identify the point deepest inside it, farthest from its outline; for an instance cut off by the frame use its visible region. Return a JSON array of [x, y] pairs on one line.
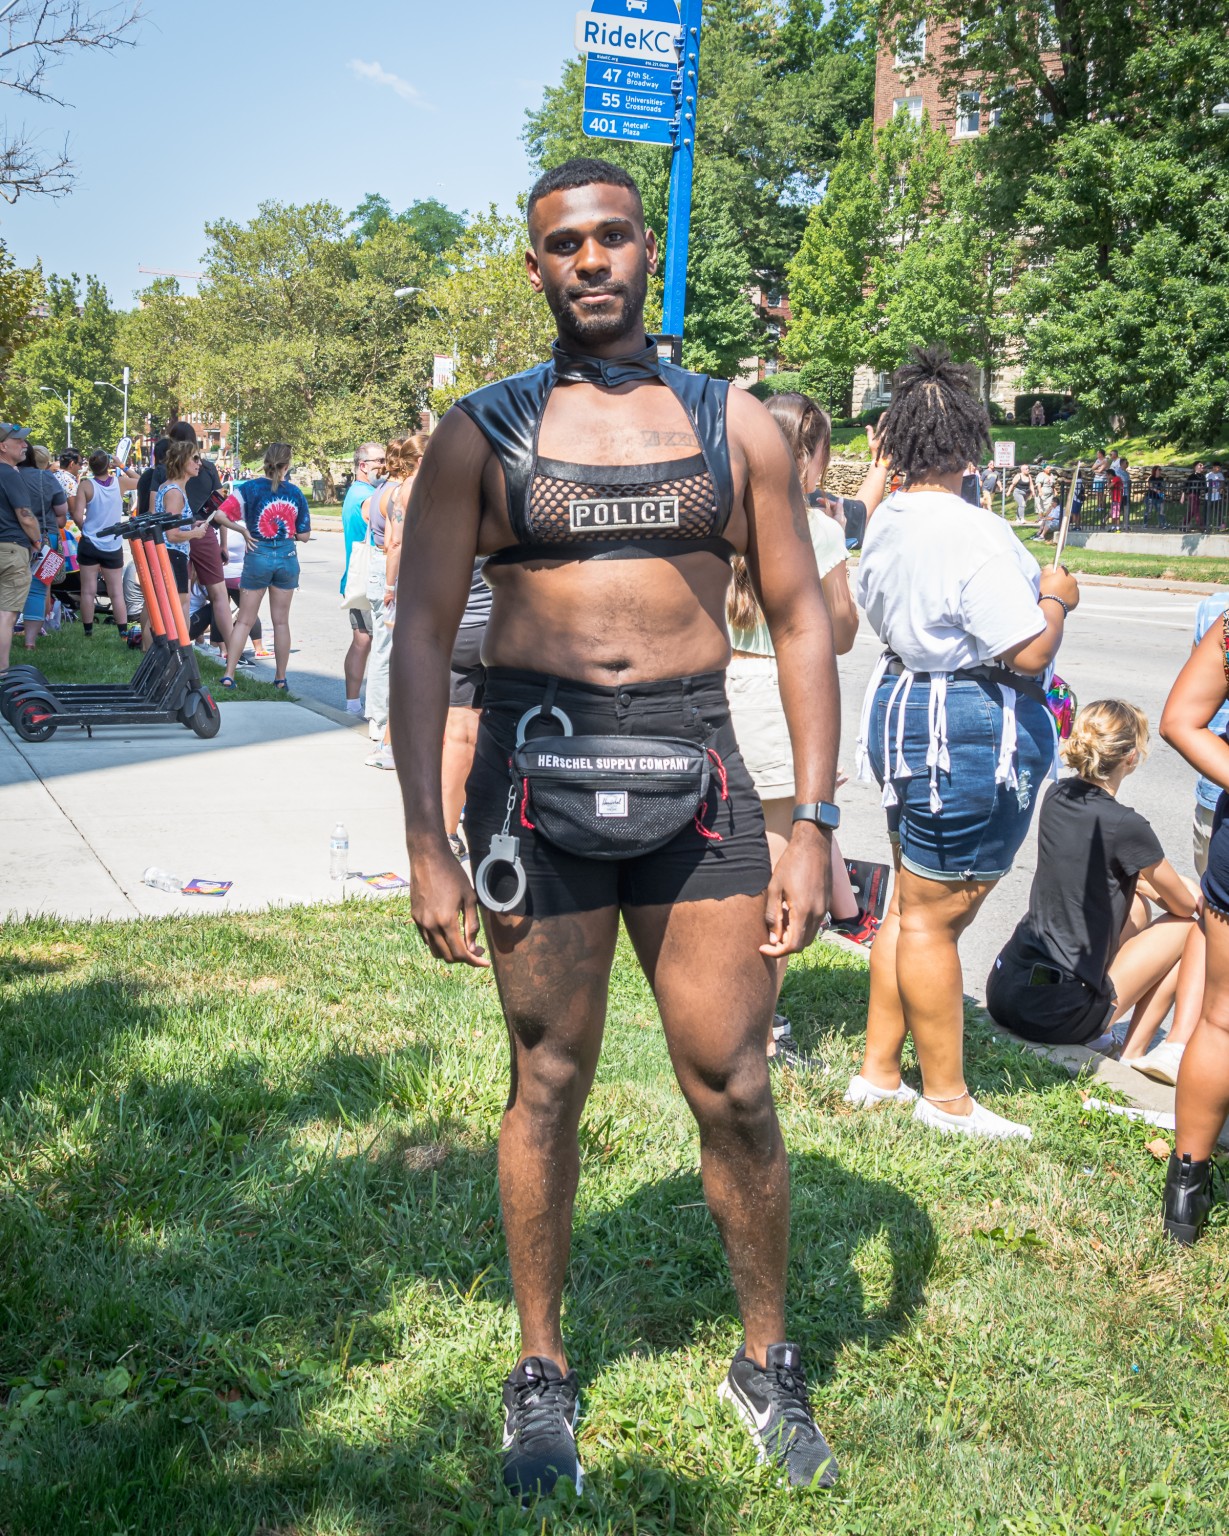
[[609, 491]]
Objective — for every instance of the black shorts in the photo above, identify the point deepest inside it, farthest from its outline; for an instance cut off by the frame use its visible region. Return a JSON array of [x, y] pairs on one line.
[[1215, 883], [181, 565], [467, 686], [1059, 1010], [689, 867], [360, 621], [88, 553]]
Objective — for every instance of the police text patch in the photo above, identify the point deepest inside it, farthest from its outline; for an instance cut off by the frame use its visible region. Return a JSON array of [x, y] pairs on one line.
[[624, 512]]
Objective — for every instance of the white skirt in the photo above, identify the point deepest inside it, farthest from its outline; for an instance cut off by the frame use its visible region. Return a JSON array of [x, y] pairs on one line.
[[759, 724]]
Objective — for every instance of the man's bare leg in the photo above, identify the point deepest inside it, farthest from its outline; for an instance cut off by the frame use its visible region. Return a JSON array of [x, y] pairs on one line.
[[716, 1012], [553, 975]]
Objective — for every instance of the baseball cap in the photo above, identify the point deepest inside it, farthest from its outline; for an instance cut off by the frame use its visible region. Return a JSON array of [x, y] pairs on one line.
[[8, 429]]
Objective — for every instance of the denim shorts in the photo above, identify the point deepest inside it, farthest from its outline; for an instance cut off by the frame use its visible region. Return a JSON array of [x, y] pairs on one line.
[[271, 565], [982, 825], [1215, 882]]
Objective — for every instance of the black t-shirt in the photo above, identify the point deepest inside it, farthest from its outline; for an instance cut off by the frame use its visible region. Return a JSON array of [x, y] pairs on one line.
[[1090, 853], [13, 494], [45, 494]]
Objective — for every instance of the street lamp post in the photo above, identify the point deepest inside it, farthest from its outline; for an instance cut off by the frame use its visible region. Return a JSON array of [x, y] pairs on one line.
[[106, 384], [46, 389]]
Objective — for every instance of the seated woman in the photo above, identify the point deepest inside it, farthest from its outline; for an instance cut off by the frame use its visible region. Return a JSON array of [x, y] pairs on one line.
[[1090, 949]]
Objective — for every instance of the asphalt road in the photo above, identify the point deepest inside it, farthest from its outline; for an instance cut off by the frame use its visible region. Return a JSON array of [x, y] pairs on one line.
[[1122, 642]]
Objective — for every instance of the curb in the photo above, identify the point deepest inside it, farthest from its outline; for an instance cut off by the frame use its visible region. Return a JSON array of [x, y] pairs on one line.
[[1142, 1092], [1150, 584]]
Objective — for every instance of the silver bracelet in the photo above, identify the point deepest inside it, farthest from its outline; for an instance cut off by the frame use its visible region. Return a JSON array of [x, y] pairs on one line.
[[1053, 597]]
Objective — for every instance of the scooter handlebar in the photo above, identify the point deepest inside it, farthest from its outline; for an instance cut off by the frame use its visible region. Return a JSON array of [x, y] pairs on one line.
[[138, 527]]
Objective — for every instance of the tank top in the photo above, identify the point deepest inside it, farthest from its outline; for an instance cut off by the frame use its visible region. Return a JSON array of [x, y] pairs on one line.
[[161, 511], [375, 517], [105, 507], [571, 511]]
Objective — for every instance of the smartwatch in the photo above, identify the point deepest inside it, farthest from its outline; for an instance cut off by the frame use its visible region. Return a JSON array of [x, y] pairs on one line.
[[825, 815]]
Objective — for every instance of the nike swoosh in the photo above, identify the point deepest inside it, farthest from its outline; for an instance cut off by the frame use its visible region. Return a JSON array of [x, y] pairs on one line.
[[761, 1419]]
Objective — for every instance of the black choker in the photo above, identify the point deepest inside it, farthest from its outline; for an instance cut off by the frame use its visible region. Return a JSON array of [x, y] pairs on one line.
[[583, 368]]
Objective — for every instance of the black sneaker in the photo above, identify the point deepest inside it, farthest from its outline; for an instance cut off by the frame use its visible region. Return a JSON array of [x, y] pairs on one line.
[[541, 1407], [774, 1406], [786, 1057]]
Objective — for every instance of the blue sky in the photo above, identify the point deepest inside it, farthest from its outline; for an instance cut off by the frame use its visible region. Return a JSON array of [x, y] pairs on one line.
[[225, 104]]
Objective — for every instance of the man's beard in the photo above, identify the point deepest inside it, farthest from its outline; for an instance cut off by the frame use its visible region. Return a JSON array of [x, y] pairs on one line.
[[611, 323]]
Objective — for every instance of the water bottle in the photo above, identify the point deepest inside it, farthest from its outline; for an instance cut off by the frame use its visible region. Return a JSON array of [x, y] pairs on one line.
[[161, 881], [339, 853]]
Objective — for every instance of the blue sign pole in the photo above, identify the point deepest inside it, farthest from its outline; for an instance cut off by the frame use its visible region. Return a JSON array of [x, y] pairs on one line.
[[681, 173]]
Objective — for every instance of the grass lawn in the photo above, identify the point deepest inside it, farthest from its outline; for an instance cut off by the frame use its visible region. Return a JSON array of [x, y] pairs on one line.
[[252, 1275], [69, 657], [1106, 562]]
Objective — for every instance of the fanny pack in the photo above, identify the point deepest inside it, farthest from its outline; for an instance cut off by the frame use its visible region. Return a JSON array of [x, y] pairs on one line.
[[599, 797], [610, 797]]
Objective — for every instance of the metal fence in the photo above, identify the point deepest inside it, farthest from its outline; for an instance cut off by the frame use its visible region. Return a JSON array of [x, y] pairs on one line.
[[1182, 502]]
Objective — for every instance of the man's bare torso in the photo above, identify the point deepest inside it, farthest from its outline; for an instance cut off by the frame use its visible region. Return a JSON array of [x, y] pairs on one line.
[[610, 621]]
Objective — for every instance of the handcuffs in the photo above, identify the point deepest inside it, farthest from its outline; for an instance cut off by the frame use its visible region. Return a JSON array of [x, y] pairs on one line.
[[506, 849]]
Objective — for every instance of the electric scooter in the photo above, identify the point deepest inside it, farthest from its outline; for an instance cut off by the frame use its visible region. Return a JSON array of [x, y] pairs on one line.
[[166, 686]]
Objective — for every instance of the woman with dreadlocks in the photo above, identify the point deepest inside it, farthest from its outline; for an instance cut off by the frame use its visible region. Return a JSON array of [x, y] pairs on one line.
[[954, 727]]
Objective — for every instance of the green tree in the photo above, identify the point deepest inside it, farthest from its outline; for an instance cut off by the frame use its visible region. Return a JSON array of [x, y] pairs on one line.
[[1134, 321], [76, 344], [482, 310], [433, 226], [19, 290], [1106, 167], [162, 344], [779, 87], [898, 253], [299, 333]]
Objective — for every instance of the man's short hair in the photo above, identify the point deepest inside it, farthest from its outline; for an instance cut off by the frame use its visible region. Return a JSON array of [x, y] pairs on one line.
[[184, 432], [581, 172], [365, 450]]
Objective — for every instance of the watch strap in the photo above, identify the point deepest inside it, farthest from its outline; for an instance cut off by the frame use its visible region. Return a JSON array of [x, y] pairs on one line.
[[823, 813]]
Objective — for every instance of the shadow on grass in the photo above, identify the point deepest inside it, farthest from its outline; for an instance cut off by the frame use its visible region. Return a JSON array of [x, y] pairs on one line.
[[819, 1001], [193, 1270]]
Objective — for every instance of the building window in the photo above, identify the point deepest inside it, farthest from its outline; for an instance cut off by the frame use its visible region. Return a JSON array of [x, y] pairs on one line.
[[883, 386], [911, 105], [968, 114], [911, 46]]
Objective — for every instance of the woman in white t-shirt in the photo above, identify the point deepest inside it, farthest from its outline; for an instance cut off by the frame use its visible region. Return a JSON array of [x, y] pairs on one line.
[[751, 681], [954, 727]]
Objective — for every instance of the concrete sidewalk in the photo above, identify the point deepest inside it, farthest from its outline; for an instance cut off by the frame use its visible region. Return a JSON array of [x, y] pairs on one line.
[[256, 805]]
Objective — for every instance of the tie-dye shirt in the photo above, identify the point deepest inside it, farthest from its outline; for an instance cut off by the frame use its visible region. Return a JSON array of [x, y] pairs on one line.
[[274, 516]]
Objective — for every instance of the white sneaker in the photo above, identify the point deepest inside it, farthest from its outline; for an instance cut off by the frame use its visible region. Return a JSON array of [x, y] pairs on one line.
[[861, 1093], [382, 759], [374, 732], [982, 1122], [1161, 1063]]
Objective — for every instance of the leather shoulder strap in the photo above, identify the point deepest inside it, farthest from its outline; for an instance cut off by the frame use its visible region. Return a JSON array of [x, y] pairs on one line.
[[508, 414], [705, 400]]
